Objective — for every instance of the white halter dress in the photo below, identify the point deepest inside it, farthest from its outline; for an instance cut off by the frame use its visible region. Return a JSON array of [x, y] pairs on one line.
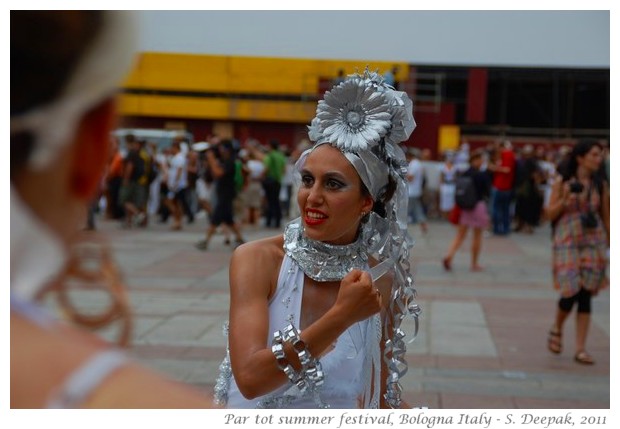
[[347, 366]]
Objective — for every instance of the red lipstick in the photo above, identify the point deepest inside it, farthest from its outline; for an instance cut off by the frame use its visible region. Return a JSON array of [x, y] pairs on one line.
[[314, 217]]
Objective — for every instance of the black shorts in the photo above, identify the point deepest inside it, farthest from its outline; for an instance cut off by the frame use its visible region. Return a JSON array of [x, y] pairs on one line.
[[178, 195], [223, 213]]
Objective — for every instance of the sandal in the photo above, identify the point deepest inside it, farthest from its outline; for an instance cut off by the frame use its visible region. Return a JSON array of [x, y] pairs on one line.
[[554, 342], [584, 358]]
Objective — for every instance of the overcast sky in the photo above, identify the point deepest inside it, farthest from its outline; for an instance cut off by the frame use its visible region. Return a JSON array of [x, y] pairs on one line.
[[493, 38]]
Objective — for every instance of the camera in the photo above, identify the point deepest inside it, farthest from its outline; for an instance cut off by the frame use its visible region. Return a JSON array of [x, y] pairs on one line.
[[589, 220], [576, 188]]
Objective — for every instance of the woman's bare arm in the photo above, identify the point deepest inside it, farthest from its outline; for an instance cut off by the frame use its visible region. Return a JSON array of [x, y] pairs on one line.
[[605, 210], [43, 359], [559, 199]]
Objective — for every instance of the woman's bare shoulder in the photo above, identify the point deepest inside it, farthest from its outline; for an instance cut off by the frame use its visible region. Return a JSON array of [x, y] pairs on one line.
[[258, 258], [256, 263], [264, 247]]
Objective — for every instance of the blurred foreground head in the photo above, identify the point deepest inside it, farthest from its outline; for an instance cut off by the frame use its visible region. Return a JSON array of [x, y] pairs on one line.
[[65, 70]]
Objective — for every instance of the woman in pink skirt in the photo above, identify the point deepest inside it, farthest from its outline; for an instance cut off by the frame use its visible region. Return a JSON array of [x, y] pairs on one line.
[[476, 218]]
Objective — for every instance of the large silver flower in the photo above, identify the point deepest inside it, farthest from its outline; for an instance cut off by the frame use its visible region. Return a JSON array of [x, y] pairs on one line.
[[359, 112], [352, 116]]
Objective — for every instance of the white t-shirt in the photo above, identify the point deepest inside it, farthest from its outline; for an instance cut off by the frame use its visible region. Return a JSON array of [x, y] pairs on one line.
[[449, 174], [548, 168], [256, 168], [417, 171], [178, 162], [287, 179]]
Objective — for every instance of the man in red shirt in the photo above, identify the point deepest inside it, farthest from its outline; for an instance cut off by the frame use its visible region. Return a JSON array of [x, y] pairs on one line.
[[503, 179]]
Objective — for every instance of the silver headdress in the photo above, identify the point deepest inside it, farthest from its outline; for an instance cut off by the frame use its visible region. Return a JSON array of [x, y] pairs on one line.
[[366, 119]]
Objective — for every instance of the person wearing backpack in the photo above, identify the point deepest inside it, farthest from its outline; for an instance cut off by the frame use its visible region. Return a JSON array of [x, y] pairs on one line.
[[465, 193], [472, 189]]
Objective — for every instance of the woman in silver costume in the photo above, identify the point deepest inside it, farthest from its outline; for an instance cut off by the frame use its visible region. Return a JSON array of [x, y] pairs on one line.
[[315, 313]]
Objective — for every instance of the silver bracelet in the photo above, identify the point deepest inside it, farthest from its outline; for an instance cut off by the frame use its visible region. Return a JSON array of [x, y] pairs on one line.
[[310, 367], [277, 348]]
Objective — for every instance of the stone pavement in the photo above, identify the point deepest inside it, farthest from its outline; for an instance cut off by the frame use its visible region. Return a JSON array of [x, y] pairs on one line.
[[482, 339]]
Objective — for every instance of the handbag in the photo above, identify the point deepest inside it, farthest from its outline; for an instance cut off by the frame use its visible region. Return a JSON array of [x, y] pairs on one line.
[[455, 215]]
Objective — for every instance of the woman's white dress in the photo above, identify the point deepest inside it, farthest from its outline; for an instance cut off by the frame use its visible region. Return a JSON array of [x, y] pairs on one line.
[[345, 375], [447, 188]]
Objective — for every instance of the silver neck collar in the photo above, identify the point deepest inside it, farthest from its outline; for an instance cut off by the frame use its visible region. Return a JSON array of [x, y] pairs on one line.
[[329, 262]]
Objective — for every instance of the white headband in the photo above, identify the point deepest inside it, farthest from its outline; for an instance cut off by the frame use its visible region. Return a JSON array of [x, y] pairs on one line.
[[372, 171], [96, 77]]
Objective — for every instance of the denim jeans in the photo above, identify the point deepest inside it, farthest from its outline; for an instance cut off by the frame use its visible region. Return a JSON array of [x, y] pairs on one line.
[[415, 210], [273, 216], [501, 211]]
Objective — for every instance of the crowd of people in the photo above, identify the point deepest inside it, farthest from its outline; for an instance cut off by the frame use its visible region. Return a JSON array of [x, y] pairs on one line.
[[233, 184], [251, 184], [519, 181], [515, 191], [514, 183]]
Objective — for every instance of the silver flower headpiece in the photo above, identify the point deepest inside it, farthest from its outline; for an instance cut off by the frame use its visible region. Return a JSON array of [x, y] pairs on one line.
[[366, 117], [359, 112]]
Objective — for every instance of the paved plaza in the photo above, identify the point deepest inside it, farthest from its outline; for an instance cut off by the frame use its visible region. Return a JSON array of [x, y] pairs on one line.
[[482, 338]]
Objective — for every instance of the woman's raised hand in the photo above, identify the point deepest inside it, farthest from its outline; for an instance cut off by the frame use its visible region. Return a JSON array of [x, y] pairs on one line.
[[358, 298]]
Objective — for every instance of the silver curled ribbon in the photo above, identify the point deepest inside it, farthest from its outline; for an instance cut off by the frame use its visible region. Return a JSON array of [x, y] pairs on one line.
[[403, 294]]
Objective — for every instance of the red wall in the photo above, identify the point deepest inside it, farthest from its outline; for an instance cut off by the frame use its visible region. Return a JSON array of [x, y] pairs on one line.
[[477, 95], [426, 133]]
